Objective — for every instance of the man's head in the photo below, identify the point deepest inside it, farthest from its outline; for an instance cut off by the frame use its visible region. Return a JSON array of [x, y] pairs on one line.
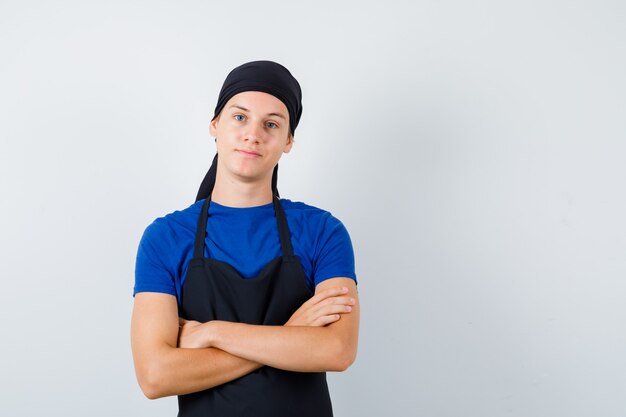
[[254, 95]]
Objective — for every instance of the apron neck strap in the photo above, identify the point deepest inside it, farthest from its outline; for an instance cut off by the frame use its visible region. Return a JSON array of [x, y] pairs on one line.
[[283, 228], [198, 247]]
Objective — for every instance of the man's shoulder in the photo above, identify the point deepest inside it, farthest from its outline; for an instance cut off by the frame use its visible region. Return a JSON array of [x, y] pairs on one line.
[[301, 208], [308, 213], [184, 219]]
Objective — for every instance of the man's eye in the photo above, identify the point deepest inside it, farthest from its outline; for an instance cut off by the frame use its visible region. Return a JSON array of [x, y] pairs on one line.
[[272, 125], [239, 117]]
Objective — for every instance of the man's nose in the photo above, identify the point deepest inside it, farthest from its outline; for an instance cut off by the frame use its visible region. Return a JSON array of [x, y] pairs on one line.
[[254, 132]]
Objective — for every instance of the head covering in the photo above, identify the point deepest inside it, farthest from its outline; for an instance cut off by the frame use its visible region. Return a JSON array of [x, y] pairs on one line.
[[265, 76]]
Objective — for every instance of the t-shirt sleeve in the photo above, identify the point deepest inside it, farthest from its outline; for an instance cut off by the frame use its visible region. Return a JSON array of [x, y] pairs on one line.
[[335, 257], [151, 267]]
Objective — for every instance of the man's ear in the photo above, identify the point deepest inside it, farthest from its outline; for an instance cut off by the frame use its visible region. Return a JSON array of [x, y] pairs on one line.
[[289, 143], [213, 126]]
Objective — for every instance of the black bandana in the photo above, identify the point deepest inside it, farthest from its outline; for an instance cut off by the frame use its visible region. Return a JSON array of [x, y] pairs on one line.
[[267, 77]]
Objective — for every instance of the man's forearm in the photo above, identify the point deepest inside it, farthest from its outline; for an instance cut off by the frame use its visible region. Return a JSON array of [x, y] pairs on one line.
[[297, 348], [176, 371]]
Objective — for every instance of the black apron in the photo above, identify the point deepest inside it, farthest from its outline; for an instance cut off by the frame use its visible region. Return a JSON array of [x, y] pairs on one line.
[[214, 290]]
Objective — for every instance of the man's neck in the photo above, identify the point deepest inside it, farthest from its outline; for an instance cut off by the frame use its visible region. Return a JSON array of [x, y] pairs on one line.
[[233, 193]]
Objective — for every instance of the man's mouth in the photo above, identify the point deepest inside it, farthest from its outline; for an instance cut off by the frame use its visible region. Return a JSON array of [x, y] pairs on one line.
[[251, 154]]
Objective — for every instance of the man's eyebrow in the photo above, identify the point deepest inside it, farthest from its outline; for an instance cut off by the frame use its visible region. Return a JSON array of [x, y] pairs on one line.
[[277, 115], [269, 114], [239, 107]]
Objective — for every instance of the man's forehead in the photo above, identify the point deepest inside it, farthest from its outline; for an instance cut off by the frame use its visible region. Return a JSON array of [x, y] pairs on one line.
[[258, 102]]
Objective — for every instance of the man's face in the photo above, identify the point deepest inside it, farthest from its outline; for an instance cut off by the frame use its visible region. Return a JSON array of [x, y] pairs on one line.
[[252, 132]]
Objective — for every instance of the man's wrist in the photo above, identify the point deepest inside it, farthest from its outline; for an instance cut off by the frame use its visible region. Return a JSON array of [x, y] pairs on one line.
[[212, 332]]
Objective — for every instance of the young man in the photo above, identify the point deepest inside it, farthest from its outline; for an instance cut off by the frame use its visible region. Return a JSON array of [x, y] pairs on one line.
[[243, 300]]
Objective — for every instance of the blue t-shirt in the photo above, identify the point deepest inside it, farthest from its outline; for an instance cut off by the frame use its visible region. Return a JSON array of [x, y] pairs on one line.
[[247, 239]]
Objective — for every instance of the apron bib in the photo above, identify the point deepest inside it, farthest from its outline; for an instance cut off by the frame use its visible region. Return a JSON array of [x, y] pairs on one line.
[[214, 290]]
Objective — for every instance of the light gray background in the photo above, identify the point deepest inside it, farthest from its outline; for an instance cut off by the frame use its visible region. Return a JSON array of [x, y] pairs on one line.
[[474, 150]]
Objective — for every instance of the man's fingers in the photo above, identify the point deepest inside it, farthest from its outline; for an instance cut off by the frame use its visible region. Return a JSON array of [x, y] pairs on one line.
[[331, 301], [330, 292], [324, 320], [323, 308], [333, 309], [339, 300], [328, 313]]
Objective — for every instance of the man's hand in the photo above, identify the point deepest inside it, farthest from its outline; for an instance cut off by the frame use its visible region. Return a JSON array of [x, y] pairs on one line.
[[193, 334], [162, 368], [323, 308], [313, 339]]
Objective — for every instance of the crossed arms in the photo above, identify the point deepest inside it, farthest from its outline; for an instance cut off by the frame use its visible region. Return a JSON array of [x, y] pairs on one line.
[[175, 357]]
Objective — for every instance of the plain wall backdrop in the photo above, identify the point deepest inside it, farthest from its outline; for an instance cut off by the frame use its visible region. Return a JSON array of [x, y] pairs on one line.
[[474, 150]]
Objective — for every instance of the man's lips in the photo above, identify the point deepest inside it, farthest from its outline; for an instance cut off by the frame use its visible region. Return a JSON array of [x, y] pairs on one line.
[[251, 154]]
